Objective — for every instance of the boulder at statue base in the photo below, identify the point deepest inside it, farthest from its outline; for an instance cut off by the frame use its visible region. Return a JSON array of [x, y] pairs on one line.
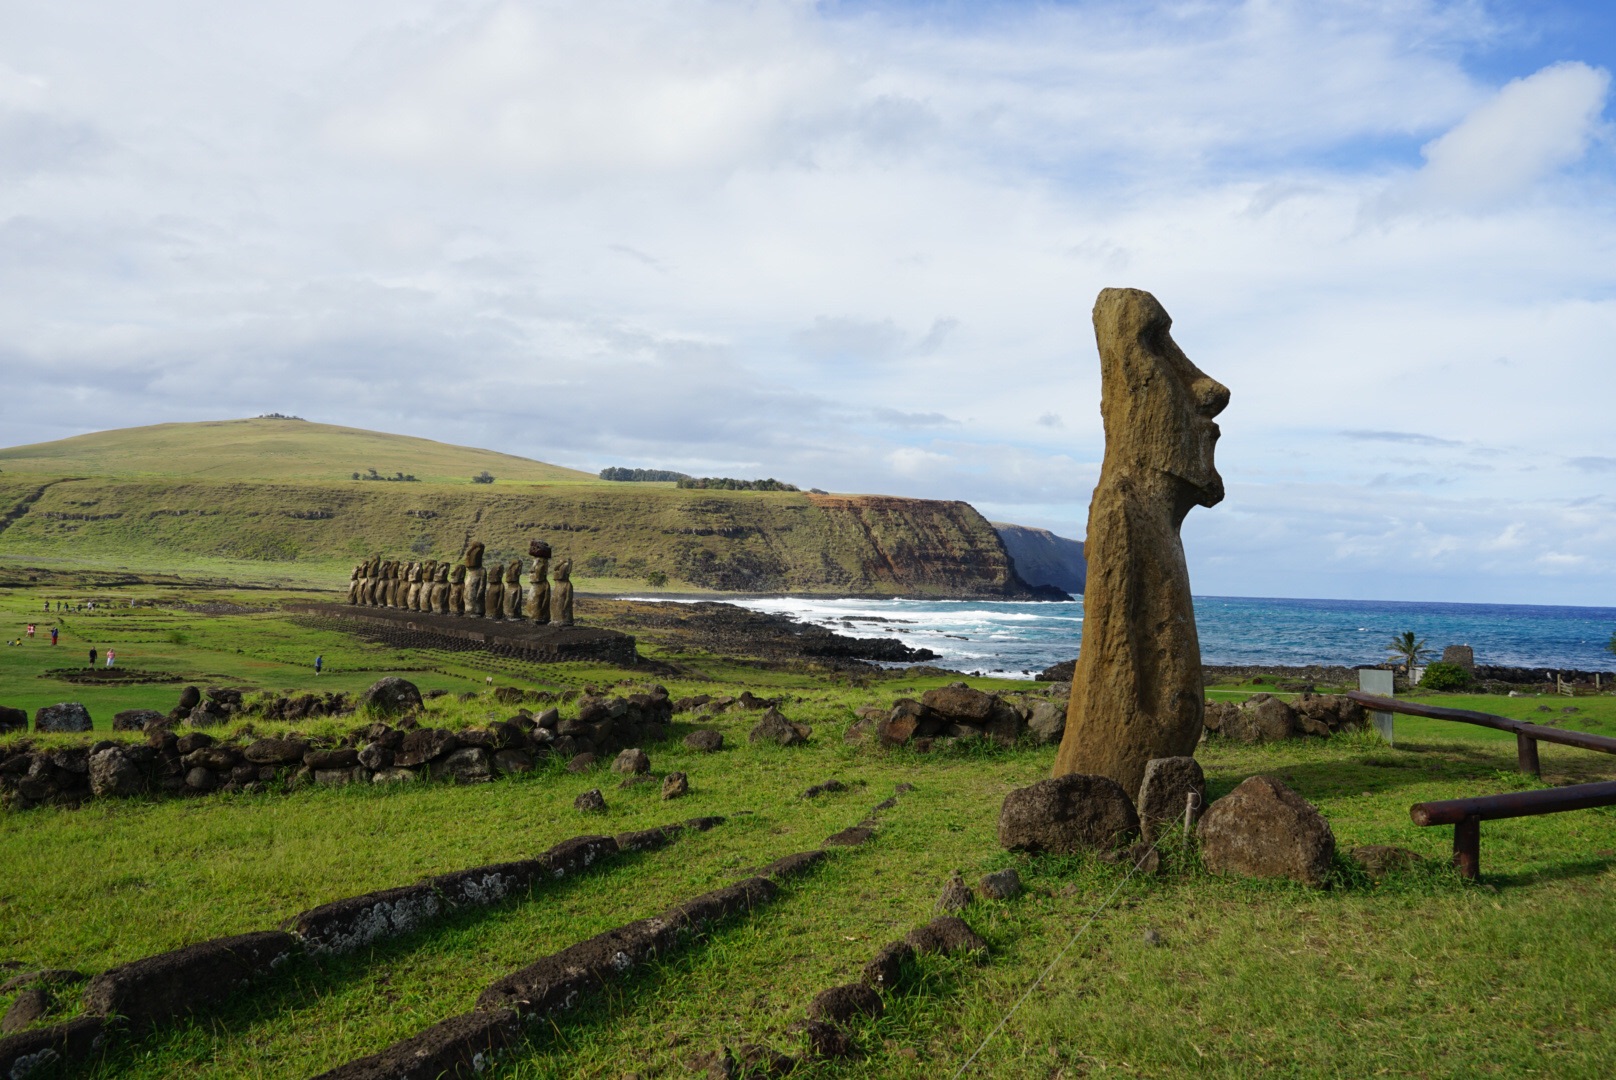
[[1165, 793], [391, 696], [1067, 815], [68, 716], [1264, 829]]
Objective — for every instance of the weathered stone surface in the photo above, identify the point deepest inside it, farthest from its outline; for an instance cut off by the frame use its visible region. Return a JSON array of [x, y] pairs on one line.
[[843, 1004], [851, 837], [201, 778], [675, 785], [582, 762], [114, 775], [467, 765], [356, 921], [28, 1007], [632, 761], [17, 719], [1002, 885], [190, 698], [343, 757], [591, 801], [394, 775], [391, 696], [1164, 793], [484, 885], [51, 978], [159, 988], [129, 719], [1264, 829], [1047, 722], [513, 762], [945, 934], [1137, 691], [69, 716], [885, 971], [957, 701], [827, 1040], [561, 594], [774, 728], [956, 895], [1067, 815], [794, 865], [276, 751], [59, 1048], [704, 741], [423, 745], [463, 1045]]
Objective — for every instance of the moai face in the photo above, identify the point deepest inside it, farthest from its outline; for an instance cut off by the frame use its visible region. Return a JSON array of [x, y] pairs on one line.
[[474, 555]]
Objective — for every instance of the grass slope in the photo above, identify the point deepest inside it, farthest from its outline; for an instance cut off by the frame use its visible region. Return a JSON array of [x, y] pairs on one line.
[[1419, 975], [265, 449]]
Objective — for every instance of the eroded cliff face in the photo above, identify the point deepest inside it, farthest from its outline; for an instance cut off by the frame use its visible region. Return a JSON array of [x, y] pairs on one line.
[[1043, 558], [617, 535]]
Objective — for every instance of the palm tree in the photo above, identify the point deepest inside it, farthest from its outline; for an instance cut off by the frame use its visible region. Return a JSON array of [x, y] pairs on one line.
[[1409, 649]]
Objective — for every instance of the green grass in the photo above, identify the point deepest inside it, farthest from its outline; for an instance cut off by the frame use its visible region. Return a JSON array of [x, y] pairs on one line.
[[268, 450], [271, 502], [1418, 975]]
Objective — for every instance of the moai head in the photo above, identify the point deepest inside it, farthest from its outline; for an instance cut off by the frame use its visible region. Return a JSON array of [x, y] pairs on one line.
[[429, 571], [513, 572], [443, 572], [358, 571], [474, 555], [1157, 406], [563, 570], [457, 573]]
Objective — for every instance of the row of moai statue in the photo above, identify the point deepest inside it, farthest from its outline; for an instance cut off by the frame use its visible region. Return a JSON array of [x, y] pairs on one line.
[[467, 588]]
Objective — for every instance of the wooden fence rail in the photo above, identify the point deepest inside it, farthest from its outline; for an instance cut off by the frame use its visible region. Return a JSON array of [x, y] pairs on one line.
[[1466, 815], [1527, 735]]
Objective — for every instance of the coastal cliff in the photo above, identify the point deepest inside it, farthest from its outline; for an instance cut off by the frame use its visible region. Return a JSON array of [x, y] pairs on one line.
[[1042, 558]]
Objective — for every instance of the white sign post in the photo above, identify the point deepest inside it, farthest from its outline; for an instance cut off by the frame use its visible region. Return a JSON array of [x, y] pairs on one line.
[[1378, 681]]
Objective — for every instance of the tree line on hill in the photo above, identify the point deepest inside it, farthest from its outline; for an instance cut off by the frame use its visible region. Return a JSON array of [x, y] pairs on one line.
[[684, 480]]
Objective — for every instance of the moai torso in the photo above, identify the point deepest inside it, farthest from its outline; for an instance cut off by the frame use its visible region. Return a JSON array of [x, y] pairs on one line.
[[457, 589], [513, 589], [354, 583], [538, 591], [440, 590], [1137, 690], [476, 581], [563, 593]]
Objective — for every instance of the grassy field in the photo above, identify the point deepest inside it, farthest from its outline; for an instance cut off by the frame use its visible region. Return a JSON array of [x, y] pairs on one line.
[[1419, 974], [272, 502], [269, 449]]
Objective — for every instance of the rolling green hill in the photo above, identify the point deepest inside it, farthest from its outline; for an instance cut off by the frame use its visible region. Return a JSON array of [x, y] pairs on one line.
[[269, 449], [102, 501]]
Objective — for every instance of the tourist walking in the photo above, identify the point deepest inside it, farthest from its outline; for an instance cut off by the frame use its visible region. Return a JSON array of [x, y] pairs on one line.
[[53, 635], [30, 629], [109, 658], [319, 662], [92, 657]]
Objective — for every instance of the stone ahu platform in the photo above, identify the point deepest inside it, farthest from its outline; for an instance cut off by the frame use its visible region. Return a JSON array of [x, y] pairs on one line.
[[524, 640]]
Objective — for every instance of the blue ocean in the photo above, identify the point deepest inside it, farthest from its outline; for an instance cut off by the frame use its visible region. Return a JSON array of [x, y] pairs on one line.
[[1020, 639]]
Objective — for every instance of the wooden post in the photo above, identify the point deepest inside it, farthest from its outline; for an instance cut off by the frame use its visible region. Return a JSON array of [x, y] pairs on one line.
[[1526, 755], [1467, 847]]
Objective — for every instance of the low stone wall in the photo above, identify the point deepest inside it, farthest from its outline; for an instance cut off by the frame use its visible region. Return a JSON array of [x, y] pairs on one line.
[[160, 990], [543, 643], [957, 711], [1265, 718], [193, 763]]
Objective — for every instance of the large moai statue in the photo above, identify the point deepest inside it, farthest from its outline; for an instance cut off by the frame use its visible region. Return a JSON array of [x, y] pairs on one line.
[[440, 590], [355, 583], [429, 577], [538, 591], [1137, 691], [412, 587], [395, 585], [367, 590], [476, 580], [563, 593], [513, 589], [494, 592], [384, 591], [457, 589]]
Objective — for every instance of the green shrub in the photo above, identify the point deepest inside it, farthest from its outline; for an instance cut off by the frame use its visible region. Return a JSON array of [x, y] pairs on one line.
[[1440, 676], [657, 578]]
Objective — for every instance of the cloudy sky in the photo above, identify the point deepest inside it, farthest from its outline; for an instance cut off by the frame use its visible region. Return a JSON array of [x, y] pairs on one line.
[[855, 245]]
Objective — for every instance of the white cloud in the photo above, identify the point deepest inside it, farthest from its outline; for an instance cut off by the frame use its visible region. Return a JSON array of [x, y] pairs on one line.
[[1531, 128], [851, 250]]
